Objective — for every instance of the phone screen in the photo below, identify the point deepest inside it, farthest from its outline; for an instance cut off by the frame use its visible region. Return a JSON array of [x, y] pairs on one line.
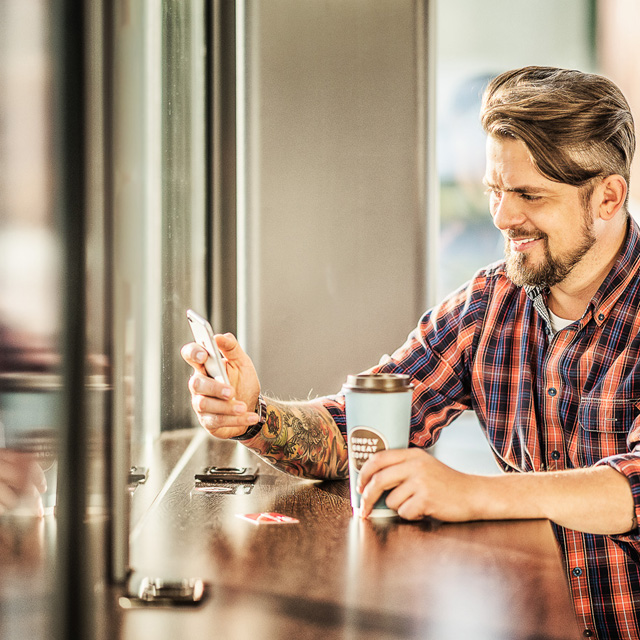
[[203, 335]]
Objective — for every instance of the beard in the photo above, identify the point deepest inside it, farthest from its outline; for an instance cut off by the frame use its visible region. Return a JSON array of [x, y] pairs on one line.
[[553, 269]]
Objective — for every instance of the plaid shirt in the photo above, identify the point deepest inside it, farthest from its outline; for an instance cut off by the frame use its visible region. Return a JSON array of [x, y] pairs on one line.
[[546, 401]]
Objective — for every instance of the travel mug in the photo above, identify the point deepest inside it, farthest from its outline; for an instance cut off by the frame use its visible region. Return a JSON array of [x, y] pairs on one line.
[[378, 410]]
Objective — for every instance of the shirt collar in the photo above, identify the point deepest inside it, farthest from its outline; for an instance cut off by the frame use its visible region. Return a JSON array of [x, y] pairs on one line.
[[623, 271], [538, 295]]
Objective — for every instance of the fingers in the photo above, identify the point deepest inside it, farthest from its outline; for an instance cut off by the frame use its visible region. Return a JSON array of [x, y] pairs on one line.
[[393, 470], [419, 485], [225, 410], [20, 476], [202, 384], [194, 355], [11, 498], [217, 409], [385, 479], [217, 412], [380, 461], [8, 498], [223, 426], [14, 468], [37, 477], [405, 500]]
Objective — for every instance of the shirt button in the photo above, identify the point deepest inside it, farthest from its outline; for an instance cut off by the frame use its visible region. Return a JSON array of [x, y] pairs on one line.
[[555, 454], [601, 317], [587, 633], [577, 572], [552, 391]]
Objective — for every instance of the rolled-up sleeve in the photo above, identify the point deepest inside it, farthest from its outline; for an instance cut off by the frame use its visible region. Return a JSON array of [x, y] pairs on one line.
[[628, 464]]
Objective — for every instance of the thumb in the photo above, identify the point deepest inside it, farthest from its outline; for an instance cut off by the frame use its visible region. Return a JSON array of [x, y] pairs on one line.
[[231, 348]]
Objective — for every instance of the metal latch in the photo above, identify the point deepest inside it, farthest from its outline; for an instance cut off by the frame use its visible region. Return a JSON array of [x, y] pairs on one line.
[[138, 475], [166, 593], [227, 474]]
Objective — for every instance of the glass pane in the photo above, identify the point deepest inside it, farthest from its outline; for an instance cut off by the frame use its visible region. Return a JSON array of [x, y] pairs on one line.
[[184, 227], [159, 230], [467, 58], [136, 232], [30, 308], [556, 34], [618, 54], [29, 247]]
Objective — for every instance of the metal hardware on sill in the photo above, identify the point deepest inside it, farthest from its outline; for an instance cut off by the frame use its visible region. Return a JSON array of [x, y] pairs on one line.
[[226, 474], [158, 592], [138, 475]]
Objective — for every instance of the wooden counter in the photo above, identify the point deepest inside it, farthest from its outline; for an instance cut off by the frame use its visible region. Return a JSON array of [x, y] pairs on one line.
[[335, 576], [328, 576]]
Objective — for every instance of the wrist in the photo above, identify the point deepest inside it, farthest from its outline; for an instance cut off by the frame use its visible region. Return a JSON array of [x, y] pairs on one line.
[[255, 429], [508, 496]]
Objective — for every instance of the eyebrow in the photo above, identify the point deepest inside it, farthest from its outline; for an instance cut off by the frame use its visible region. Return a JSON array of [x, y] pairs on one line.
[[523, 189]]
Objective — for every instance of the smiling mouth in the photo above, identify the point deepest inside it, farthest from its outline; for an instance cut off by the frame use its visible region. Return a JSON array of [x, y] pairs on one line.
[[521, 244]]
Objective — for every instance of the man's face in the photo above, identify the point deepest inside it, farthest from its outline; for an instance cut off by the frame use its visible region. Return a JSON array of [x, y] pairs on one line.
[[545, 224]]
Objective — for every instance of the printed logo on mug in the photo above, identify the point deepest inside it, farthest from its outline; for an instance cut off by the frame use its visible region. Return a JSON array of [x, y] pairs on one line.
[[363, 443]]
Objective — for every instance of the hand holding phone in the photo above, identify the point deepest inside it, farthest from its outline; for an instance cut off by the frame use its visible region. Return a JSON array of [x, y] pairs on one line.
[[203, 335], [223, 408]]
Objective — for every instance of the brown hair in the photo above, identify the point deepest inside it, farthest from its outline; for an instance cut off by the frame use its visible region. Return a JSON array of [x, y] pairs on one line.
[[577, 126]]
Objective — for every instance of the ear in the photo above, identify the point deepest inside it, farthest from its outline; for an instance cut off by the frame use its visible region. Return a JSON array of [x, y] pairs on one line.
[[612, 193]]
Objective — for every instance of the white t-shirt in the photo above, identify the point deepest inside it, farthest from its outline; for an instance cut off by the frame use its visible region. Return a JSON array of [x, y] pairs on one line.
[[557, 322]]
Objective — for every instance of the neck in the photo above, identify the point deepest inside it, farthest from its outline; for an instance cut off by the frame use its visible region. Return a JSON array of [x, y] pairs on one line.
[[570, 298]]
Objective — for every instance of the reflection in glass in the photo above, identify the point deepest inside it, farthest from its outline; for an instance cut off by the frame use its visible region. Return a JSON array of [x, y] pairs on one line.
[[29, 265], [30, 285], [184, 227], [466, 61]]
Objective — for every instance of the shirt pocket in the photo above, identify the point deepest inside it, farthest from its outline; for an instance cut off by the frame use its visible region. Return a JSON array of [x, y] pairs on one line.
[[605, 424]]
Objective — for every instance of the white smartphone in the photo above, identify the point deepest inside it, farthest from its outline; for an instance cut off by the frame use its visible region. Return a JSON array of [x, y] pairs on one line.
[[203, 335]]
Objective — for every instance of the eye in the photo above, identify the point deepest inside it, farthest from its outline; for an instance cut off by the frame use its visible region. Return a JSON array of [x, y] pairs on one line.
[[529, 198]]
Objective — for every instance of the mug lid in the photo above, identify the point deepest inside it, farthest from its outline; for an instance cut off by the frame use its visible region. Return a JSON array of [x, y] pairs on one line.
[[383, 382]]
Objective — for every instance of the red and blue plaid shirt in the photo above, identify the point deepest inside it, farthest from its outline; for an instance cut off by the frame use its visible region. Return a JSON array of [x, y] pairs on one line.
[[546, 401]]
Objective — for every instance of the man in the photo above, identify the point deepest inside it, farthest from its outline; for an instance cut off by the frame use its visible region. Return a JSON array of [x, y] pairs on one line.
[[544, 347]]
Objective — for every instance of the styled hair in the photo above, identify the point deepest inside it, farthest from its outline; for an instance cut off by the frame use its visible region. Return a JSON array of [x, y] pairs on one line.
[[577, 126]]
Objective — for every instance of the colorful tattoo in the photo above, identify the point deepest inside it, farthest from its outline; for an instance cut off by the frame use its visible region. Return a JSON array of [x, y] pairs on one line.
[[303, 440]]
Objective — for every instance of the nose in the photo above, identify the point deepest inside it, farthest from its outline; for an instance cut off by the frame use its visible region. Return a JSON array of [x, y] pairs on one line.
[[506, 211]]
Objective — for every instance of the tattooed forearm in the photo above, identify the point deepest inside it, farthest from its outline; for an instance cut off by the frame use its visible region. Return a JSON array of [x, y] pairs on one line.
[[303, 440]]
